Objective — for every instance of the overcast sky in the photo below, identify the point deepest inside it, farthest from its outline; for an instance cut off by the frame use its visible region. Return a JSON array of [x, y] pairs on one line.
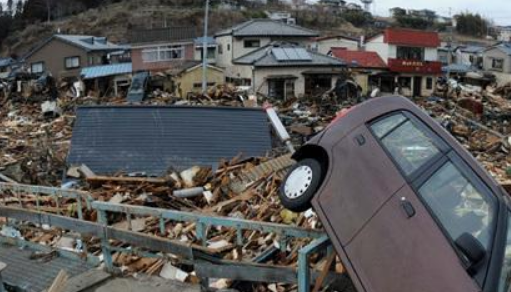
[[498, 10]]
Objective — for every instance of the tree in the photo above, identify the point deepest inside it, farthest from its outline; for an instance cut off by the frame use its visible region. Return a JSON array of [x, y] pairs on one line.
[[471, 24], [19, 8], [10, 7], [413, 22]]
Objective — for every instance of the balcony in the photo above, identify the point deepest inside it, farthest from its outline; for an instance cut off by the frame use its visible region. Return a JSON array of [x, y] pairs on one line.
[[413, 66]]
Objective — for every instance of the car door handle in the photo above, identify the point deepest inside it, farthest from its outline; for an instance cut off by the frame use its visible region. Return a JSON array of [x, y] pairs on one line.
[[361, 140], [408, 208]]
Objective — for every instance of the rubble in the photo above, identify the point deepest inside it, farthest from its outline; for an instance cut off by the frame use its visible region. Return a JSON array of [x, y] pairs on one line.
[[34, 149]]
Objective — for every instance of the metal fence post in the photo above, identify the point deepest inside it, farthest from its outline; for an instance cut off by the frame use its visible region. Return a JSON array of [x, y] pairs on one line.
[[105, 245], [304, 276]]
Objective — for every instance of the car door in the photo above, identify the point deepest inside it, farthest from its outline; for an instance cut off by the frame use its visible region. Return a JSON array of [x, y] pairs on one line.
[[409, 244]]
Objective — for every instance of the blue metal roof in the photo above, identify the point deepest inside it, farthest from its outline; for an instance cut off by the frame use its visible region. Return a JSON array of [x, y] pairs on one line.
[[4, 62], [152, 139], [106, 70], [458, 68]]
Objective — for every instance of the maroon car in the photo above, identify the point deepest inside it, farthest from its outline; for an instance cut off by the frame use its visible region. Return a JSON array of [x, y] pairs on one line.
[[407, 208]]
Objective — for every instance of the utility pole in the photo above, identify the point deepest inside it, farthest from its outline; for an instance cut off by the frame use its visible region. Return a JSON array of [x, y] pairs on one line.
[[449, 56], [205, 51]]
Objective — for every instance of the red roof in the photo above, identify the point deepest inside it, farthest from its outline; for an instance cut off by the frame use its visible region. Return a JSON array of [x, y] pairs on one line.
[[411, 37], [360, 58]]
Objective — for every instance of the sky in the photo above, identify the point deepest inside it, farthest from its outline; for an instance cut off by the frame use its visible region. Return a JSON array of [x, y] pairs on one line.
[[497, 10]]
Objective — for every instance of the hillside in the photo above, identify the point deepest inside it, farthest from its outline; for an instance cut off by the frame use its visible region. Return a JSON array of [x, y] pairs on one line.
[[115, 20]]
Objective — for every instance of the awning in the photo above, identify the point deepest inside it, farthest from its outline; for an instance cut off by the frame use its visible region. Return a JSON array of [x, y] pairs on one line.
[[281, 77], [106, 70], [323, 72]]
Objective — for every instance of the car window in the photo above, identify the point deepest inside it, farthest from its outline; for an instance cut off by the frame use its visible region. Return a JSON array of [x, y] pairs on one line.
[[458, 205], [505, 278], [410, 147], [386, 125]]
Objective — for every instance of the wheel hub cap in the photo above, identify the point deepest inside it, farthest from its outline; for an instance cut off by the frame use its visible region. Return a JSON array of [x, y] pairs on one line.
[[298, 182]]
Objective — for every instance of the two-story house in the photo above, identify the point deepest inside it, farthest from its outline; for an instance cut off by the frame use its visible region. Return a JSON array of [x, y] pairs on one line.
[[64, 56], [412, 55], [497, 59], [161, 49], [470, 55], [250, 36], [284, 70], [324, 45]]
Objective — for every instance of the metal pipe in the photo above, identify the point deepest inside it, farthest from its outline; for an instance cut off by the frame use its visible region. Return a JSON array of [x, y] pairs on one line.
[[189, 193]]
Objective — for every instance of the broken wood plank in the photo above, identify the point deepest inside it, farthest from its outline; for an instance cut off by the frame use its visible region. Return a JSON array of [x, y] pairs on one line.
[[150, 180], [59, 284], [86, 280]]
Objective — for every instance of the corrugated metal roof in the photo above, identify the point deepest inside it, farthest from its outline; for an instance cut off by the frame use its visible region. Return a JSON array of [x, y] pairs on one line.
[[106, 70], [4, 62], [268, 27], [90, 43], [152, 139]]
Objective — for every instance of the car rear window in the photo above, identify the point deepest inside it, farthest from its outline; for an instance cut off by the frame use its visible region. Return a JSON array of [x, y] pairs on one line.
[[459, 205], [409, 146]]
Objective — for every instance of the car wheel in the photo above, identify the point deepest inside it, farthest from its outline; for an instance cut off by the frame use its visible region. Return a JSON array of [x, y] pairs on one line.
[[300, 185]]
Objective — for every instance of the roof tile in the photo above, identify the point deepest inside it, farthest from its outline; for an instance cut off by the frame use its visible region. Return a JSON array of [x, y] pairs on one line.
[[411, 37], [359, 58]]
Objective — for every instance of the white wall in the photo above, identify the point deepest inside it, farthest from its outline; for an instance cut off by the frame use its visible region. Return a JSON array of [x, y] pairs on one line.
[[224, 59], [377, 45], [324, 46], [431, 54]]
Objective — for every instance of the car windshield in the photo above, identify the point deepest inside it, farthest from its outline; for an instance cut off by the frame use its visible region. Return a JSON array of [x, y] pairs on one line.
[[505, 278]]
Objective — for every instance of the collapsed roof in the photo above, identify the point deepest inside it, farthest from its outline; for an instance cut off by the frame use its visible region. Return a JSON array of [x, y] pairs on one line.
[[152, 139]]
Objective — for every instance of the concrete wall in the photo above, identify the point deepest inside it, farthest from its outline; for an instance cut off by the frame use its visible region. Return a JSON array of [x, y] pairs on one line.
[[184, 82], [324, 46], [496, 53], [140, 65], [384, 50], [54, 53]]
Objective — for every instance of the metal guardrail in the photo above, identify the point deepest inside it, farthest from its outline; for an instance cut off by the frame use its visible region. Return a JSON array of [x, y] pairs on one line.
[[55, 193], [207, 266]]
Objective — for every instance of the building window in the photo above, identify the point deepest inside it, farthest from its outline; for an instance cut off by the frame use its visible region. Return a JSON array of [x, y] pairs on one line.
[[497, 64], [252, 43], [228, 47], [72, 62], [37, 68], [163, 53], [429, 83], [199, 85], [405, 82], [410, 53], [211, 52], [220, 49]]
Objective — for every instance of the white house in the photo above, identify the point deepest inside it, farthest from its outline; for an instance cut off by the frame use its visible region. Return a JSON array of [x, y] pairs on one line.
[[250, 36], [412, 56], [324, 45], [284, 70]]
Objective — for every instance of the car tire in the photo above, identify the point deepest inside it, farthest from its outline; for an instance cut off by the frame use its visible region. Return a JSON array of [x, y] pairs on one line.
[[301, 184]]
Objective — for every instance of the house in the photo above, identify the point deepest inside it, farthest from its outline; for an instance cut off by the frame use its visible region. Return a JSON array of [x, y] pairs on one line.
[[364, 65], [497, 59], [426, 14], [105, 77], [187, 79], [161, 49], [412, 56], [211, 49], [251, 36], [285, 70], [504, 34], [64, 56], [283, 16], [354, 7], [323, 45], [333, 5], [470, 55]]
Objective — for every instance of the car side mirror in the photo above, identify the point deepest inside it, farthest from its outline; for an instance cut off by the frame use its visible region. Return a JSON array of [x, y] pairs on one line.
[[472, 249]]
